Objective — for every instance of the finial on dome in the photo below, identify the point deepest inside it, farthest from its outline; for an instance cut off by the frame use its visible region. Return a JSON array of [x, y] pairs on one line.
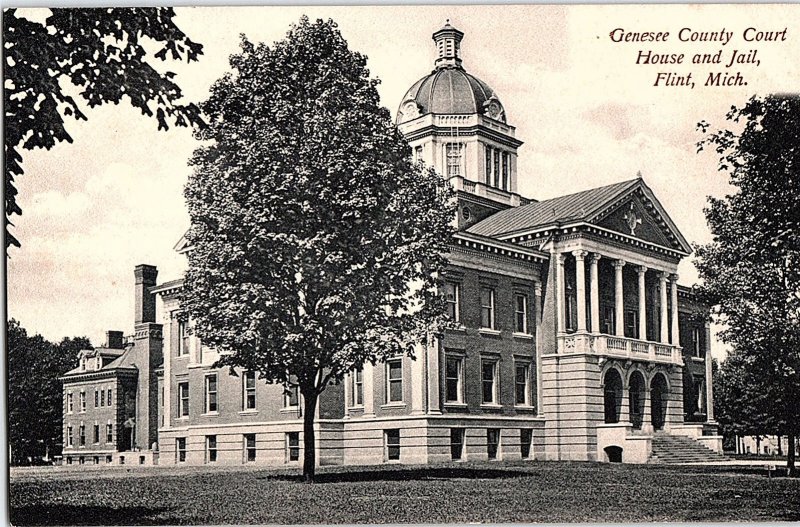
[[448, 46], [639, 174]]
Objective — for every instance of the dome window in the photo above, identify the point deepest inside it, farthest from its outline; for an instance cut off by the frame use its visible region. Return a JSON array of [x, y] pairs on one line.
[[453, 155]]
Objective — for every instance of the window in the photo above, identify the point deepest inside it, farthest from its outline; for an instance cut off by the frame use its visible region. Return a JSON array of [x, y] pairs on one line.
[[70, 403], [109, 433], [83, 401], [454, 384], [394, 381], [521, 313], [489, 381], [488, 165], [211, 449], [180, 449], [293, 446], [522, 385], [487, 308], [696, 343], [69, 460], [525, 440], [96, 433], [358, 387], [505, 171], [456, 443], [69, 435], [211, 394], [291, 396], [102, 397], [609, 324], [96, 398], [108, 397], [492, 442], [96, 460], [183, 339], [496, 168], [631, 323], [393, 444], [183, 399], [452, 295], [82, 435], [249, 395], [249, 448], [109, 459], [453, 154], [418, 153], [81, 460]]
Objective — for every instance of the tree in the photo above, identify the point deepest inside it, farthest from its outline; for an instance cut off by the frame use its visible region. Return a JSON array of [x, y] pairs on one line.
[[101, 52], [35, 395], [317, 243], [751, 269]]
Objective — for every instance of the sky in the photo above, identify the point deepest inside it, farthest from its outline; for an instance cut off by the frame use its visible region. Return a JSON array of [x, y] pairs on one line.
[[588, 114]]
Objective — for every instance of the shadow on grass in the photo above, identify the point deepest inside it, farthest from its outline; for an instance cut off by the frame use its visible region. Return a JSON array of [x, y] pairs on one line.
[[406, 474], [88, 515]]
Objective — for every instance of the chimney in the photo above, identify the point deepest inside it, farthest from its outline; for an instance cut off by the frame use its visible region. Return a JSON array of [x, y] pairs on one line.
[[115, 340], [145, 307]]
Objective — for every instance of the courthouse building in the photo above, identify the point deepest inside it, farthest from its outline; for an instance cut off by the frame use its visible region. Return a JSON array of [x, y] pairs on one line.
[[575, 341]]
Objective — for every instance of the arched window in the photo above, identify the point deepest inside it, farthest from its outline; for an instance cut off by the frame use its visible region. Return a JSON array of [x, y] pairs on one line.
[[612, 395], [636, 393]]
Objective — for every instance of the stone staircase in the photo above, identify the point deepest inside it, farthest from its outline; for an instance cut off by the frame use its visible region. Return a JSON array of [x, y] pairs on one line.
[[670, 449]]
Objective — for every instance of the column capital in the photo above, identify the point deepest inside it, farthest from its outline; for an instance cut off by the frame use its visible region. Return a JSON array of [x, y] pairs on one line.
[[560, 258], [619, 264], [537, 289], [674, 278], [641, 269], [594, 257], [580, 254], [663, 276], [707, 325]]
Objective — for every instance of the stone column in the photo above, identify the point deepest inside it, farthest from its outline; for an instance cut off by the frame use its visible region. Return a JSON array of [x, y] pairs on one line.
[[642, 304], [619, 307], [418, 380], [676, 334], [348, 391], [594, 299], [434, 376], [167, 333], [537, 317], [709, 378], [580, 284], [369, 390], [662, 285], [560, 290]]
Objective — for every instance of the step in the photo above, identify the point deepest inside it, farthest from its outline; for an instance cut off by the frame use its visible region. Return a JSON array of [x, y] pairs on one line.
[[668, 449]]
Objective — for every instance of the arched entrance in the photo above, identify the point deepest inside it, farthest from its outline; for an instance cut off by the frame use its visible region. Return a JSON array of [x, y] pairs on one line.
[[612, 395], [659, 393], [636, 395]]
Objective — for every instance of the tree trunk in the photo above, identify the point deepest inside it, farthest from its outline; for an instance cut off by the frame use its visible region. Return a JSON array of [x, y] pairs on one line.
[[790, 469], [780, 447], [309, 453]]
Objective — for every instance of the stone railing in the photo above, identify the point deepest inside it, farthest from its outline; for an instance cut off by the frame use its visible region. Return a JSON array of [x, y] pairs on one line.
[[622, 347]]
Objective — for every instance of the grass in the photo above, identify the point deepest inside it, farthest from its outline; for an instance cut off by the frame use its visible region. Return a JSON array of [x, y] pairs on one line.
[[452, 493]]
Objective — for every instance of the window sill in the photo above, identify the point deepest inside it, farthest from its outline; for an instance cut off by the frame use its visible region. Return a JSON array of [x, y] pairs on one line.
[[210, 414], [290, 410], [249, 412], [454, 404], [394, 405], [356, 407], [491, 406], [526, 336], [525, 407], [461, 328], [698, 359], [489, 331]]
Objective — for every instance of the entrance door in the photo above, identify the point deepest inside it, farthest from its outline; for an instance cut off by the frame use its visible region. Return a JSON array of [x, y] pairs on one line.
[[658, 401]]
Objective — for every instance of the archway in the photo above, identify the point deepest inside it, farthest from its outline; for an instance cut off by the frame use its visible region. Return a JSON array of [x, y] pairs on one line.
[[612, 395], [636, 395], [614, 454], [659, 393]]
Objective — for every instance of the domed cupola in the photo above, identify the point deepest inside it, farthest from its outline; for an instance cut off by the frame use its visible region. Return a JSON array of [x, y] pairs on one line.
[[456, 124], [448, 89]]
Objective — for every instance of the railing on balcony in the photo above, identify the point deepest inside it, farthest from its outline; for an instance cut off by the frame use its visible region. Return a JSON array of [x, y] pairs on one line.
[[622, 347]]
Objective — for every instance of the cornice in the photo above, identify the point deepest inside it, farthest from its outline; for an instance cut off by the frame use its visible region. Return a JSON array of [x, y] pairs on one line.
[[478, 130], [98, 374]]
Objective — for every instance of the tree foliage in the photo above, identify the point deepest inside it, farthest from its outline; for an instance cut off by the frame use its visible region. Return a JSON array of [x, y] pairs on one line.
[[101, 52], [751, 269], [316, 241], [35, 395]]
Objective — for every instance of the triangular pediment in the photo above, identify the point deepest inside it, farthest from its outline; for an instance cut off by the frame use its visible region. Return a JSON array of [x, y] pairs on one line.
[[639, 214]]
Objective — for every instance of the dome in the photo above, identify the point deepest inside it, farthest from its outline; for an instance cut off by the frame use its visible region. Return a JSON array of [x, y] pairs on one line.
[[449, 89]]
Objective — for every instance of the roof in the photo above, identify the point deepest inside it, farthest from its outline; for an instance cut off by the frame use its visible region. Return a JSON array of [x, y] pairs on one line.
[[587, 206], [575, 206]]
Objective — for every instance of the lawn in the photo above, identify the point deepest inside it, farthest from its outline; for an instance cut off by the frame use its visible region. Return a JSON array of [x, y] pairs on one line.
[[453, 493]]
